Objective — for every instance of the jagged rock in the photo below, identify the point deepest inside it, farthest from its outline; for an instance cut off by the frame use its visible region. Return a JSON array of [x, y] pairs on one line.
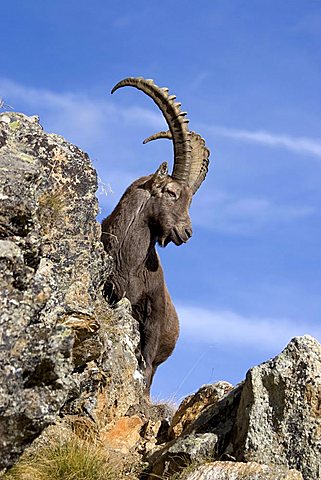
[[179, 453], [64, 351], [194, 404], [273, 417], [279, 415], [60, 343], [241, 471], [108, 387], [198, 440], [124, 435], [142, 428]]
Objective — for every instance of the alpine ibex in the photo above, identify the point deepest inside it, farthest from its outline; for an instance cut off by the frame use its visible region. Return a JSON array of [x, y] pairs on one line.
[[154, 209]]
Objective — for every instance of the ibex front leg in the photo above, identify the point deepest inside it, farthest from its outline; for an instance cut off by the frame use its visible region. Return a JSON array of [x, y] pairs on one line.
[[159, 332]]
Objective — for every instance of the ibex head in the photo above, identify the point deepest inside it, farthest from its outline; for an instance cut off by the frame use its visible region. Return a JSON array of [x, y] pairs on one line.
[[167, 208], [171, 195]]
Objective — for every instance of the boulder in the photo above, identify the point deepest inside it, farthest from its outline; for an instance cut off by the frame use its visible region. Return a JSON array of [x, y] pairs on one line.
[[272, 418], [241, 471], [192, 406], [62, 349], [174, 456], [279, 415]]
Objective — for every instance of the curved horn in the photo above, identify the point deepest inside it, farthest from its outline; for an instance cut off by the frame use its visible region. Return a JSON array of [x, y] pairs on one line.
[[175, 119], [162, 134], [200, 161], [200, 157]]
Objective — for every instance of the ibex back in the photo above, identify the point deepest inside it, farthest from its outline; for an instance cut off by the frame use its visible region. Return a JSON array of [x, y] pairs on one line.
[[154, 209]]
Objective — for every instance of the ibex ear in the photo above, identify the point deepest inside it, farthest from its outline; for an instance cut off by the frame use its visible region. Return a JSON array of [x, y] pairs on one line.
[[161, 172], [156, 181]]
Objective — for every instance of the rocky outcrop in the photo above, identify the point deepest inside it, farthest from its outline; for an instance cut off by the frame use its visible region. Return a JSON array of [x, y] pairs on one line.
[[193, 405], [279, 415], [62, 349], [241, 471], [272, 418]]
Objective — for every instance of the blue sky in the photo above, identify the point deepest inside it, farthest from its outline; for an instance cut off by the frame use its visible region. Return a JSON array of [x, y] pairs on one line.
[[248, 73]]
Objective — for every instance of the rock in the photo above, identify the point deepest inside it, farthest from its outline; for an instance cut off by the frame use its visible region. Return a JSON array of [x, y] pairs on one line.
[[124, 435], [65, 352], [179, 453], [241, 471], [62, 349], [219, 419], [198, 439], [194, 404], [279, 415], [112, 384], [273, 417]]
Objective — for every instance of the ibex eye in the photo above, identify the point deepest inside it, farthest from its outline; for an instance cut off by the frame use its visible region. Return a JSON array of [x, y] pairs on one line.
[[171, 194]]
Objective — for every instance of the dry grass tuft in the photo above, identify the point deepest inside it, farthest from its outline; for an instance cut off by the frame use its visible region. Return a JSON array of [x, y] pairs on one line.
[[65, 459]]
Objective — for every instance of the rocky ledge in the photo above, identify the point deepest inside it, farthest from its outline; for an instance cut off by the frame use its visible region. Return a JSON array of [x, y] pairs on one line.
[[62, 349]]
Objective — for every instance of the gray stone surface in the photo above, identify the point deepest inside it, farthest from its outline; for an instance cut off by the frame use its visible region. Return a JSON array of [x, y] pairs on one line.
[[211, 430], [241, 471], [175, 455], [61, 346], [64, 351], [193, 405], [279, 416], [272, 418]]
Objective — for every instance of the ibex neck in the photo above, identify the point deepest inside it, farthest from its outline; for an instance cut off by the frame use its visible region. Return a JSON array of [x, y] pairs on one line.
[[133, 247], [126, 235]]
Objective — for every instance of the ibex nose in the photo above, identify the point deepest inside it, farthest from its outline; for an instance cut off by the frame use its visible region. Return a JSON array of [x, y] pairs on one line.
[[188, 232]]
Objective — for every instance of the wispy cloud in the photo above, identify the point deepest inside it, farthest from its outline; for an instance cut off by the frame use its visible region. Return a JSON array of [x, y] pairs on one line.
[[143, 116], [232, 329], [76, 115], [79, 111], [303, 145], [196, 82], [229, 213]]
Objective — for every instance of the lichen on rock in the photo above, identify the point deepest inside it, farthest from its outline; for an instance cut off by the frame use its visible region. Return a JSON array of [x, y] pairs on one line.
[[241, 471], [279, 417], [272, 418], [65, 352], [61, 347]]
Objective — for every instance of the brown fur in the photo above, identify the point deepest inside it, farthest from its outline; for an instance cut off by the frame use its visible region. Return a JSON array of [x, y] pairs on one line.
[[153, 209]]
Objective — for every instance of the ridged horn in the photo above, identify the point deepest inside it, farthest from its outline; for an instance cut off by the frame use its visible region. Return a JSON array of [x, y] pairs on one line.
[[200, 157], [175, 119], [162, 134], [200, 161]]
